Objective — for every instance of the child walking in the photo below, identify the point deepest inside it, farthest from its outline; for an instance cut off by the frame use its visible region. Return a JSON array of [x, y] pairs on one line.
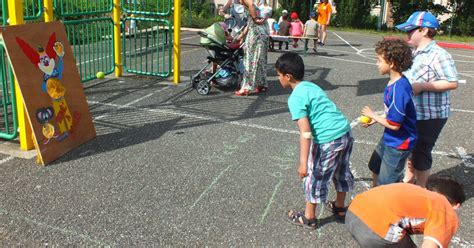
[[311, 30], [296, 28], [387, 162], [325, 142]]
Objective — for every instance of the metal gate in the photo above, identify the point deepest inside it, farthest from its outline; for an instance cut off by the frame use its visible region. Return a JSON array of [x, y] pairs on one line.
[[146, 45], [89, 27], [8, 117], [146, 37]]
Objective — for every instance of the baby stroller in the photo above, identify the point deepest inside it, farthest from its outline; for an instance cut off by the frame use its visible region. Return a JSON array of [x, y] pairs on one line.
[[229, 60]]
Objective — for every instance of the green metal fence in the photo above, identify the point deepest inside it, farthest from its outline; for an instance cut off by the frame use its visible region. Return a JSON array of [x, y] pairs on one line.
[[146, 37], [89, 27], [4, 12], [8, 117], [92, 42], [147, 48], [77, 8], [160, 8], [32, 9]]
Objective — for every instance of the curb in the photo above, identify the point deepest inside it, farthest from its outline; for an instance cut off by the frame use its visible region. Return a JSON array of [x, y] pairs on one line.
[[455, 45]]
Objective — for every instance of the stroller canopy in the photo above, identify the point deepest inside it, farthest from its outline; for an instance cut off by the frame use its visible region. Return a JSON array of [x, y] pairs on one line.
[[215, 34]]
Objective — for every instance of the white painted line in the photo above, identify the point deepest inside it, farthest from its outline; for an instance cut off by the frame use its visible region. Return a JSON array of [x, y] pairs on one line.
[[347, 60], [462, 81], [191, 37], [466, 75], [238, 123], [188, 51], [345, 41], [371, 56], [146, 96], [463, 111], [6, 160], [462, 55], [464, 61], [466, 158], [461, 243], [133, 102]]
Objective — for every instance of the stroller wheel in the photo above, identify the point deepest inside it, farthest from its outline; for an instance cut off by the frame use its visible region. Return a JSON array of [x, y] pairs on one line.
[[203, 87]]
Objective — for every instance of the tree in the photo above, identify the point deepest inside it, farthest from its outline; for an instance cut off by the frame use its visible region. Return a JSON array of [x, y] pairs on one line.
[[462, 20], [355, 13], [402, 9], [298, 6]]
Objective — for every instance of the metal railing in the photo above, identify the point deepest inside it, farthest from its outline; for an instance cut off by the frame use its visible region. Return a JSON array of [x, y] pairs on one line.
[[149, 8], [8, 117], [92, 42], [32, 9], [146, 47]]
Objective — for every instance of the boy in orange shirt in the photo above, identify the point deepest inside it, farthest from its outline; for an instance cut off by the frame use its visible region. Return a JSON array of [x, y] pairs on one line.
[[387, 215]]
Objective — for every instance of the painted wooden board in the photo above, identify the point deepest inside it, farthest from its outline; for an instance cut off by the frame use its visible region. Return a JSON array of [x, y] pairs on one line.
[[49, 81]]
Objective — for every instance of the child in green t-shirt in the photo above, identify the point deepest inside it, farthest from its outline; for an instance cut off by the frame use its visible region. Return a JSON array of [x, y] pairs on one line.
[[325, 142]]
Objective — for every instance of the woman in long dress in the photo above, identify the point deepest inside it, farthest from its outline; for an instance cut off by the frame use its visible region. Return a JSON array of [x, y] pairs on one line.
[[255, 52]]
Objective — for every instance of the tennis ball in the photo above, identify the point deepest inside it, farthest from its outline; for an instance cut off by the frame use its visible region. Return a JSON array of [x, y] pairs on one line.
[[100, 74], [364, 119]]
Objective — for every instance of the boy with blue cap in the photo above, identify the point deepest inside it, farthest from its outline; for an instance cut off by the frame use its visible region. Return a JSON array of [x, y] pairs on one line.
[[432, 75]]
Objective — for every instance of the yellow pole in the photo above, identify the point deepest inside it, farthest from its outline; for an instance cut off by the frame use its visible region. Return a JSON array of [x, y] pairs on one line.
[[117, 39], [15, 13], [48, 13], [176, 41]]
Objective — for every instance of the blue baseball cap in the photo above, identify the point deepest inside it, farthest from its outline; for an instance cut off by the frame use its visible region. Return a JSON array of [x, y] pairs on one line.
[[419, 19], [312, 14]]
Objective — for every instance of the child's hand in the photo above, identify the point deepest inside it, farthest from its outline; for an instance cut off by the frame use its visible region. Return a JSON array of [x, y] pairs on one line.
[[372, 122], [368, 112], [302, 170], [417, 88], [259, 21]]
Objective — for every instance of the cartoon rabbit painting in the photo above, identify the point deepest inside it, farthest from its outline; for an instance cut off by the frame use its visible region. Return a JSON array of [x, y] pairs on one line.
[[45, 60]]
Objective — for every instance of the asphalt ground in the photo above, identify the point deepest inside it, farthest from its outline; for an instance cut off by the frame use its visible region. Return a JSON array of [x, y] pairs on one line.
[[171, 167]]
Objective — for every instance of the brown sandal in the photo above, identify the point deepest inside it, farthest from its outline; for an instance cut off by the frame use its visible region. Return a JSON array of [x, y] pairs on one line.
[[336, 211], [299, 219]]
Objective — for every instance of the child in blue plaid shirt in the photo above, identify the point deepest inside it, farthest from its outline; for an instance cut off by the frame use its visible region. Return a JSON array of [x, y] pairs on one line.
[[432, 75]]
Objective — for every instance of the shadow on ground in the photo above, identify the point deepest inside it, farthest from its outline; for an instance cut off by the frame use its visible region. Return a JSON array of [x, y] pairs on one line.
[[463, 174]]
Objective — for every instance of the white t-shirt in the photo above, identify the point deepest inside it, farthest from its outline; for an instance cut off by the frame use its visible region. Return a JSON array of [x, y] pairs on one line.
[[271, 22]]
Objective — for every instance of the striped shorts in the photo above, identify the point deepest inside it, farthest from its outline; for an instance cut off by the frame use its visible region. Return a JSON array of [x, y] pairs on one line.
[[329, 161]]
